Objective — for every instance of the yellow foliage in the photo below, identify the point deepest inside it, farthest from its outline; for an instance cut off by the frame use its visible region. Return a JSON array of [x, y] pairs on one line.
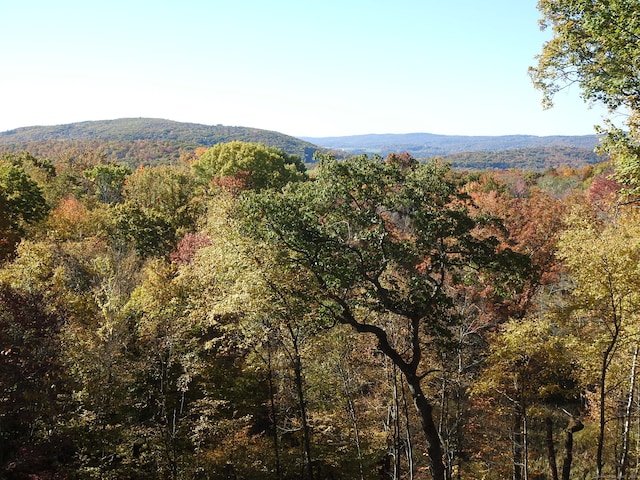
[[604, 261]]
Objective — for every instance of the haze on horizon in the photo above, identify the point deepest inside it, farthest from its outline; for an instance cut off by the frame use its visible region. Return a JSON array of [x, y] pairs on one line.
[[299, 68]]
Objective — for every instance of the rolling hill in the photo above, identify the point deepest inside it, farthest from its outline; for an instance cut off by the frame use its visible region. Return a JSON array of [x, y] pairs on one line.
[[425, 145], [148, 141], [525, 152], [527, 159], [137, 141]]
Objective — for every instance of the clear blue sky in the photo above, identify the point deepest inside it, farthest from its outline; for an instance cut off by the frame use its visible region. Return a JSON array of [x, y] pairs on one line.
[[300, 67]]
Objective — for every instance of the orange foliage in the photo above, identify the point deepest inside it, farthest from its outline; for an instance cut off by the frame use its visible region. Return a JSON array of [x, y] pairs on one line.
[[531, 226], [234, 183], [70, 219]]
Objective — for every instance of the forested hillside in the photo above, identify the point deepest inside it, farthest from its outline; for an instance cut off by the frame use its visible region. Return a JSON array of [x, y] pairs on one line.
[[136, 141], [144, 141], [532, 159]]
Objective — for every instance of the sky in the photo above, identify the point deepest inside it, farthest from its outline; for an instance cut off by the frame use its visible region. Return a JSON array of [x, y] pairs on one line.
[[301, 67]]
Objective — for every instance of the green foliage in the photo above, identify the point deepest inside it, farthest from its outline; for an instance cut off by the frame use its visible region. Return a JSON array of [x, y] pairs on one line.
[[168, 192], [22, 202], [159, 208], [624, 147], [108, 181], [31, 376], [21, 196], [531, 361], [150, 233], [384, 234], [256, 166], [603, 258], [382, 245], [183, 333], [594, 44]]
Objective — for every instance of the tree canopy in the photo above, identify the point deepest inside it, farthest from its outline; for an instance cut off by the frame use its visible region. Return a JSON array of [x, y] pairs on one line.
[[239, 319], [385, 242], [254, 165], [596, 45], [155, 327]]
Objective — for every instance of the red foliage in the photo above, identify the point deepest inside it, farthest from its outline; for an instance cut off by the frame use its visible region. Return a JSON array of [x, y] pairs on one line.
[[187, 248], [234, 183], [603, 191]]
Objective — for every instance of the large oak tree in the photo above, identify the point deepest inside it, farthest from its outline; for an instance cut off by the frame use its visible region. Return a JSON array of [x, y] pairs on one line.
[[382, 242]]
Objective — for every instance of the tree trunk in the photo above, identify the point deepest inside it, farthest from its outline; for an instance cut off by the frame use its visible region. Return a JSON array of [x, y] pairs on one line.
[[351, 408], [525, 438], [624, 458], [443, 427], [607, 356], [409, 444], [574, 426], [397, 440], [274, 412], [602, 419], [423, 406], [425, 412], [517, 445], [551, 451], [306, 431]]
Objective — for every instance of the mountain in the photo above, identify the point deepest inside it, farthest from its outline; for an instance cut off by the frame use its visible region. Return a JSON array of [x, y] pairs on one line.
[[425, 145], [142, 140], [149, 141]]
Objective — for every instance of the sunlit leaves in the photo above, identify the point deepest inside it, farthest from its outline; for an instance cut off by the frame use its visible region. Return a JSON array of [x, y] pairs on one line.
[[254, 166], [594, 44], [21, 202], [108, 181], [604, 260]]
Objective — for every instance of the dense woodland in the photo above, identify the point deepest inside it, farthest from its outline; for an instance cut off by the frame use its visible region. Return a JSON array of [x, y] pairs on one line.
[[232, 315], [526, 159], [238, 317]]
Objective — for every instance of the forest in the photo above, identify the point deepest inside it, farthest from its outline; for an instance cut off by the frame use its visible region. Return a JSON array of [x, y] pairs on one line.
[[239, 317], [136, 141], [233, 315]]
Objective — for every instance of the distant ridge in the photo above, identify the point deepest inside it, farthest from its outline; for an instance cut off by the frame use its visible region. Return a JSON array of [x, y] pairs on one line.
[[426, 145], [144, 140], [152, 141]]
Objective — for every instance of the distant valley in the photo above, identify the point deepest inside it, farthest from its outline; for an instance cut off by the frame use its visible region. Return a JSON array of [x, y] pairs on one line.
[[148, 141], [425, 145], [526, 152]]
